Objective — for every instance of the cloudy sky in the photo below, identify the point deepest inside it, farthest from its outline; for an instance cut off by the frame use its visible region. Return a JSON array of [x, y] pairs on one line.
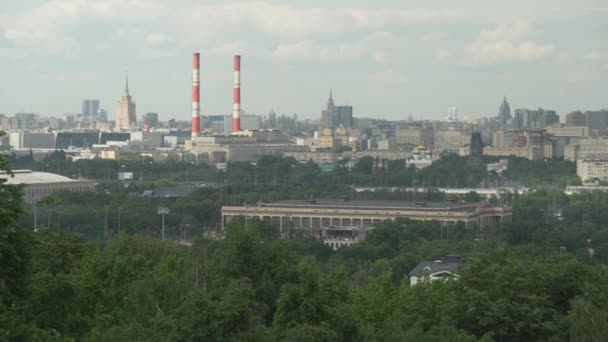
[[389, 59]]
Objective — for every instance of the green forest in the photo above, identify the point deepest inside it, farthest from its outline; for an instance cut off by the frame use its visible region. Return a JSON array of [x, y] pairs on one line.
[[542, 277]]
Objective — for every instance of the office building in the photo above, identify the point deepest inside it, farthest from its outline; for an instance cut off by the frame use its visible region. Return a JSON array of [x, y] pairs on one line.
[[597, 119], [534, 119], [151, 119], [476, 150], [125, 113], [90, 110], [67, 140], [21, 140], [576, 119]]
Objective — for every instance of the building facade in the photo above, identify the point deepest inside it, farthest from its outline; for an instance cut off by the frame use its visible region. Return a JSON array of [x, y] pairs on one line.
[[475, 150], [37, 185], [335, 116], [312, 215], [125, 113], [90, 110], [592, 169]]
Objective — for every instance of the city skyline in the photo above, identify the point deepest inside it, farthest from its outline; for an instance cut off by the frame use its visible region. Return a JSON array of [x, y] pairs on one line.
[[390, 60]]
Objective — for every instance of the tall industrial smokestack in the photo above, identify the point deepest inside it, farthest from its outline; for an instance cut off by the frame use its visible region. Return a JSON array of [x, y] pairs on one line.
[[236, 111], [196, 108]]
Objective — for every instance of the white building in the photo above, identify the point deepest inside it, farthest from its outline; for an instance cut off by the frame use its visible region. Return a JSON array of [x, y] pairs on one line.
[[21, 140], [38, 185], [446, 268], [592, 169]]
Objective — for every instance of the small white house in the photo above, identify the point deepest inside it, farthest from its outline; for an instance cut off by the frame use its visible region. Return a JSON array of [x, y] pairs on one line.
[[447, 267]]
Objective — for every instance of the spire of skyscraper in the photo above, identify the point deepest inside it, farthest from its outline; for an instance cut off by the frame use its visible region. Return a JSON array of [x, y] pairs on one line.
[[330, 101], [127, 84]]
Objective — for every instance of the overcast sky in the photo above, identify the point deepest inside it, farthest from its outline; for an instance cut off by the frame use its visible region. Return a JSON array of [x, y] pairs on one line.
[[388, 59]]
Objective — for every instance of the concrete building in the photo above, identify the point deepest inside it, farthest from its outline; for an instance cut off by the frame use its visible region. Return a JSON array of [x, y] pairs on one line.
[[410, 136], [576, 119], [534, 119], [228, 148], [151, 119], [38, 185], [475, 150], [445, 268], [592, 169], [248, 122], [334, 116], [312, 215], [21, 140], [90, 110], [597, 119], [450, 140], [125, 113], [76, 139], [587, 148], [560, 130]]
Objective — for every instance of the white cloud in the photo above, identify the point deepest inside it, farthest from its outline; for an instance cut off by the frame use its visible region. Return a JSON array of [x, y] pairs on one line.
[[157, 39], [310, 50], [506, 44], [388, 77], [444, 56], [593, 56]]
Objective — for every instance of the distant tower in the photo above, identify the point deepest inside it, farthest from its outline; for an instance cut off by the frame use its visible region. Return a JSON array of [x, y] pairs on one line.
[[236, 111], [476, 148], [125, 114], [504, 112]]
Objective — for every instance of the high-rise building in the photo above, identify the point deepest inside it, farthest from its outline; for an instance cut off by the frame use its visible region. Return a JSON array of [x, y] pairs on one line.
[[504, 112], [597, 119], [90, 110], [576, 119], [476, 150], [335, 116], [125, 114], [534, 119], [151, 119], [452, 114]]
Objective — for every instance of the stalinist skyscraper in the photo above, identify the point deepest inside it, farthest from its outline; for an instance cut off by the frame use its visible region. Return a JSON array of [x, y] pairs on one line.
[[125, 114]]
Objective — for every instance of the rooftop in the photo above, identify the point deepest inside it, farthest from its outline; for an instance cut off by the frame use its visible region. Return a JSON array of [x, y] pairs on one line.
[[362, 204], [34, 177], [449, 263]]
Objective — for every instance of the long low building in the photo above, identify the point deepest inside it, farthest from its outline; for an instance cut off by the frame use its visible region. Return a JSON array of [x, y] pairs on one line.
[[312, 215], [38, 185]]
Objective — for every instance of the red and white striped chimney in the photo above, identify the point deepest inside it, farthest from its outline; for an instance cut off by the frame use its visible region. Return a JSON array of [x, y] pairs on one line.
[[196, 119], [236, 111]]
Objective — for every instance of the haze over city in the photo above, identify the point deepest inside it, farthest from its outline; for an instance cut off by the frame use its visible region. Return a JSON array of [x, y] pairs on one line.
[[388, 59]]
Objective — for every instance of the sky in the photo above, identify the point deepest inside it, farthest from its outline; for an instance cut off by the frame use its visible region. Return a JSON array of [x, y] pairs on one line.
[[388, 59]]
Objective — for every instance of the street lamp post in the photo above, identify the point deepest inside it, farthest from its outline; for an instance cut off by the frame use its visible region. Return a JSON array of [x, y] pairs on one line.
[[162, 211]]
